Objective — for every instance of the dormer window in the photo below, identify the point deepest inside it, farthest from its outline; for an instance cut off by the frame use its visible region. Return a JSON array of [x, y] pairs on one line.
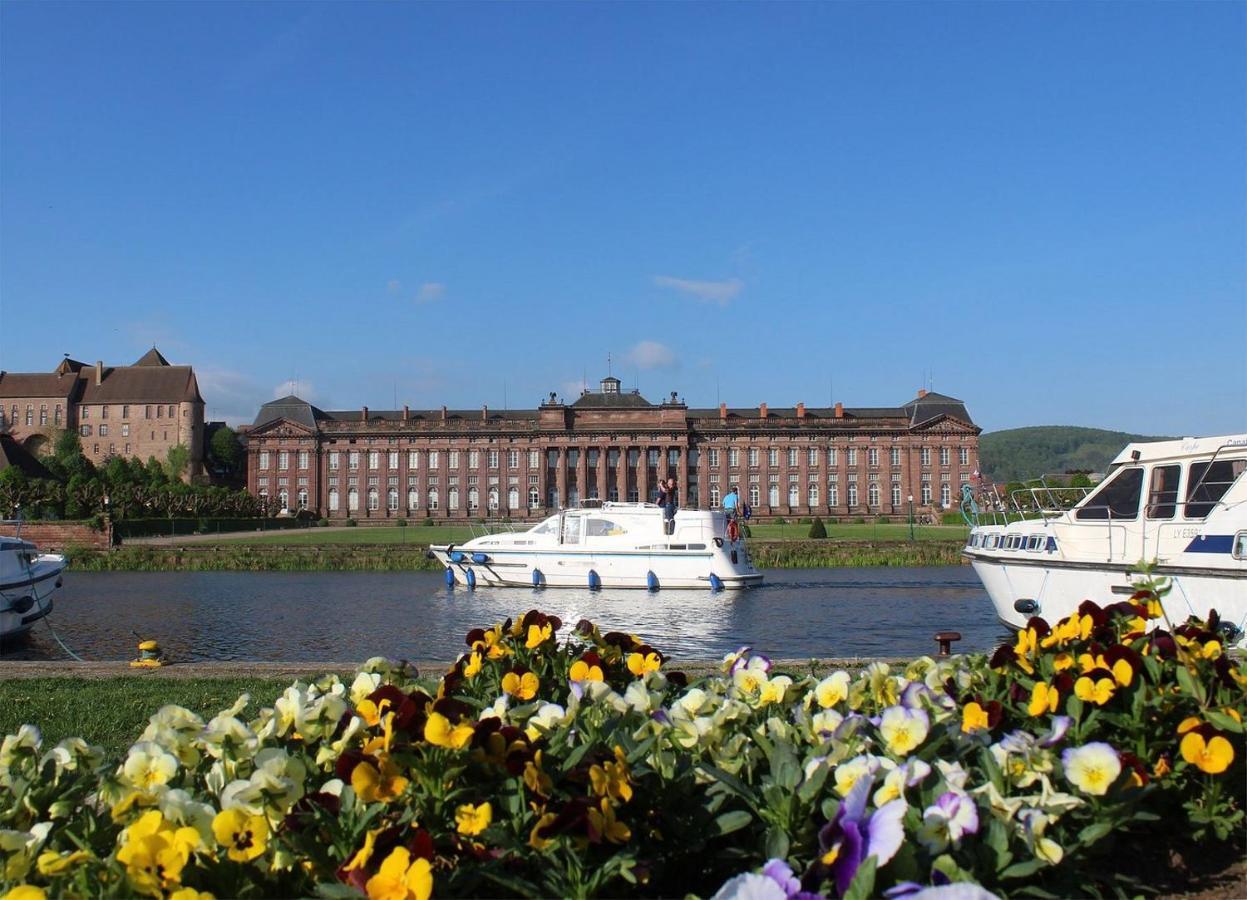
[[610, 385]]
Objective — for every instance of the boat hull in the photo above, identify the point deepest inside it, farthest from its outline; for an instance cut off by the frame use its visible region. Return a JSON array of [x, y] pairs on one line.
[[27, 598], [634, 570]]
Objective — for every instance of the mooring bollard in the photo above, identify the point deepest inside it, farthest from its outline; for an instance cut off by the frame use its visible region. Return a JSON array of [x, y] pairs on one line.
[[945, 640]]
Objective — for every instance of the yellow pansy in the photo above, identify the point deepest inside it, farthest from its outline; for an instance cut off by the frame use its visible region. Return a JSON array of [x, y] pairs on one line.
[[1062, 661], [243, 835], [582, 671], [974, 718], [472, 820], [401, 879], [1087, 662], [52, 863], [1044, 698], [371, 712], [603, 821], [189, 893], [1092, 768], [640, 663], [1098, 691], [611, 779], [903, 729], [381, 783], [535, 777], [440, 733], [832, 690], [1210, 650], [155, 852], [535, 840], [1212, 755], [538, 635], [26, 892], [472, 667], [364, 853], [522, 687]]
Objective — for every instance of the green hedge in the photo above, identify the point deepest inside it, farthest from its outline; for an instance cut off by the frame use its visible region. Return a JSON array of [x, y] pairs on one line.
[[131, 528]]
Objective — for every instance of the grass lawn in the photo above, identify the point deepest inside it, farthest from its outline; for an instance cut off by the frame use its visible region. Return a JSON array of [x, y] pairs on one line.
[[113, 712], [442, 534]]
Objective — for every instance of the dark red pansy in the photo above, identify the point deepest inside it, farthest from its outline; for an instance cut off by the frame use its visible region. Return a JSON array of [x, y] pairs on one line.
[[1004, 655], [572, 817], [1064, 683], [302, 814], [585, 628], [1119, 652], [1163, 644], [679, 679], [995, 712], [452, 709], [347, 762], [1017, 693], [421, 845], [387, 692], [1132, 762], [475, 636], [1040, 626]]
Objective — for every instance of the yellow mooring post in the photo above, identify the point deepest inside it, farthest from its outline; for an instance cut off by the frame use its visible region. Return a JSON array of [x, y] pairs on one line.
[[150, 656]]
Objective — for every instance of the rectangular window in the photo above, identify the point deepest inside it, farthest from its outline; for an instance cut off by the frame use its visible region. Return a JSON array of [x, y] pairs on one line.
[[104, 412], [772, 457], [733, 457], [945, 455], [832, 461], [811, 493], [125, 412], [1207, 483], [712, 457], [963, 456], [772, 494], [896, 495], [652, 457], [393, 460], [852, 493], [895, 454], [513, 459], [872, 456], [474, 459], [852, 456], [374, 459], [264, 460], [125, 429], [352, 460], [333, 461], [792, 457], [434, 461], [160, 412], [1117, 498], [43, 414], [147, 412], [283, 459], [83, 414], [103, 431], [534, 459], [56, 415], [453, 460], [925, 456], [171, 413], [493, 459], [872, 494], [926, 493], [673, 457], [833, 494], [946, 497], [755, 493], [413, 459], [85, 430], [303, 459], [811, 457], [714, 496], [30, 414], [591, 456]]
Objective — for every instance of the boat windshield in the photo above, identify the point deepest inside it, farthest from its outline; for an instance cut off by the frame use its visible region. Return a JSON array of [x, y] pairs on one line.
[[549, 526]]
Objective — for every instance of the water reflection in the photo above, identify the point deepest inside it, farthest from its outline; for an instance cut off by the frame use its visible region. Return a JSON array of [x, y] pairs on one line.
[[321, 616]]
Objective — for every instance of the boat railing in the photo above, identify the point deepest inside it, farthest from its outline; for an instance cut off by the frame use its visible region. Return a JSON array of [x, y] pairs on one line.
[[492, 526]]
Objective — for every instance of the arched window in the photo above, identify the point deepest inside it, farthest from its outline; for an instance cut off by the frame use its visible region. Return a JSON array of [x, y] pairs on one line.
[[794, 494], [812, 495], [534, 498], [391, 499], [302, 498], [413, 498], [452, 498], [374, 499], [352, 499], [513, 497], [493, 499], [283, 498], [772, 495], [872, 494], [333, 499], [474, 498], [432, 498]]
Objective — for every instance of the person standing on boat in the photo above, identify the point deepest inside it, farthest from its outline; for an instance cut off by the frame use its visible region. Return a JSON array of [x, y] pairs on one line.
[[731, 502], [667, 499]]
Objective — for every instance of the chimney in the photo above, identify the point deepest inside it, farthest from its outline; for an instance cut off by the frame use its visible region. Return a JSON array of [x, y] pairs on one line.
[[99, 371], [800, 410], [761, 410], [443, 414], [364, 417], [839, 410], [406, 414], [922, 392], [722, 412], [485, 413]]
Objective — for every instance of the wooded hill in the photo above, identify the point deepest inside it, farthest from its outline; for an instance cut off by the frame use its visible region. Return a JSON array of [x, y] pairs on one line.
[[1020, 453]]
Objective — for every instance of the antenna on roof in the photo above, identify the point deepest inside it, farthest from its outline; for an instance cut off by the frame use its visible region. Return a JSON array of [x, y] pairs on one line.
[[608, 364], [716, 391]]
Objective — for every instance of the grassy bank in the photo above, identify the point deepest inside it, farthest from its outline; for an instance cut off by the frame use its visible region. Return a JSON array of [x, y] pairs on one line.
[[770, 554], [113, 712]]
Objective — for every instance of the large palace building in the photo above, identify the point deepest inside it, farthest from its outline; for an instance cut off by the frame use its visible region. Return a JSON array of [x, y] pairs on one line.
[[612, 445], [140, 411]]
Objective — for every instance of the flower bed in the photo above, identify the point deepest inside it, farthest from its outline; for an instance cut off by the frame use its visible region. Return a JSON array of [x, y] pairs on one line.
[[582, 766]]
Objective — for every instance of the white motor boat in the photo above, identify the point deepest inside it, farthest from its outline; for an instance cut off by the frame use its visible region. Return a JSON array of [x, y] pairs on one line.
[[27, 580], [1178, 506], [608, 545]]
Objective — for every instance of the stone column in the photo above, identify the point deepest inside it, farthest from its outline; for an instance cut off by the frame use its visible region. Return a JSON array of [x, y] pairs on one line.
[[603, 465], [683, 477], [560, 478], [582, 470], [642, 473], [621, 473]]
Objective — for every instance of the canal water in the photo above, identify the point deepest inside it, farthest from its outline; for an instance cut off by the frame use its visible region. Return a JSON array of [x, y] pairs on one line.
[[341, 616]]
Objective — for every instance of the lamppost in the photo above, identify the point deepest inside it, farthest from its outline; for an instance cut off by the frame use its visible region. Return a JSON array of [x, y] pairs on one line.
[[911, 517]]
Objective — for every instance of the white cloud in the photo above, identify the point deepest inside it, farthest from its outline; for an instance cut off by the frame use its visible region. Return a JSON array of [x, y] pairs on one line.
[[430, 291], [652, 355], [571, 390], [720, 292]]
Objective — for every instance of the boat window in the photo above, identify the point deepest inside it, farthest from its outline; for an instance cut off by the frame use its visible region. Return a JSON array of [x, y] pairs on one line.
[[604, 528], [571, 529], [1240, 545], [697, 546], [1035, 542], [549, 526], [1162, 492], [1208, 482], [1118, 497], [992, 541]]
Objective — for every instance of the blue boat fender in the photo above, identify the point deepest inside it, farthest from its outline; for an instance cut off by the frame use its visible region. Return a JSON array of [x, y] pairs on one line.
[[716, 583], [450, 577], [456, 556], [595, 583], [480, 558], [538, 578], [471, 577], [651, 581]]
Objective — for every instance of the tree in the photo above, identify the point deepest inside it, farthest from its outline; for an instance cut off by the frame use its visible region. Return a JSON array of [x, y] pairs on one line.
[[817, 529], [226, 449], [177, 461], [155, 475]]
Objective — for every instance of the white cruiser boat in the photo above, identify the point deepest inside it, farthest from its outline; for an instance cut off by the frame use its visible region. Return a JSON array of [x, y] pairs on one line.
[[27, 580], [1180, 506], [607, 545]]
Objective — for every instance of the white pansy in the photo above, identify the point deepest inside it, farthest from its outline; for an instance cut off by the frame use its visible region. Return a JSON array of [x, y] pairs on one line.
[[73, 754], [849, 771], [547, 718], [19, 848], [363, 685], [181, 808], [226, 736], [689, 702], [148, 767], [830, 691], [823, 725]]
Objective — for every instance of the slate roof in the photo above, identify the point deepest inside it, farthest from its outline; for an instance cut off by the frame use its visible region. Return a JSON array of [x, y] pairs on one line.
[[289, 407], [600, 400], [37, 384], [152, 358], [150, 380], [933, 405]]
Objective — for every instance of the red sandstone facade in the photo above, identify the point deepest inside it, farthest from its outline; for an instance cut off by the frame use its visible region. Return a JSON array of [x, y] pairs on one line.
[[444, 464]]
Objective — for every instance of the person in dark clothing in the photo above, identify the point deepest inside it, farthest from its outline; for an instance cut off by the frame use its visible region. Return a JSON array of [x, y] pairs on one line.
[[668, 498]]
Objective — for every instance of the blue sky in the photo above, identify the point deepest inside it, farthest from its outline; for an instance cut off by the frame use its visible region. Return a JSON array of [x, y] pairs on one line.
[[1039, 208]]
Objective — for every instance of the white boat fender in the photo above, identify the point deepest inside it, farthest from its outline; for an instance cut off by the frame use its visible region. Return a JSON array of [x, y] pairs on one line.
[[480, 558], [538, 578], [450, 577], [716, 583], [651, 581], [471, 577], [595, 583]]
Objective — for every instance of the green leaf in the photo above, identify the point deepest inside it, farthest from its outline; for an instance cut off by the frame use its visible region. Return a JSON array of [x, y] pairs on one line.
[[997, 838], [735, 820], [811, 786], [336, 891], [777, 843], [1094, 832], [574, 758], [731, 782], [1023, 869], [1224, 721], [784, 766], [1188, 682], [863, 886]]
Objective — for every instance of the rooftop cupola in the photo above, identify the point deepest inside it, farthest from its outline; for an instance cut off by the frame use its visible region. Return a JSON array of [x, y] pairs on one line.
[[610, 385]]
